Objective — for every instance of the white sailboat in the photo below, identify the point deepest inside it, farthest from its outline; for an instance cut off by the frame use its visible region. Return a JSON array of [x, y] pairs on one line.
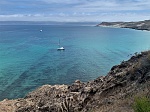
[[60, 48]]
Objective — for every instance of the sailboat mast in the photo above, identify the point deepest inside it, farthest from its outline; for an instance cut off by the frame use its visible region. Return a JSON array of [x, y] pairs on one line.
[[59, 43], [60, 48]]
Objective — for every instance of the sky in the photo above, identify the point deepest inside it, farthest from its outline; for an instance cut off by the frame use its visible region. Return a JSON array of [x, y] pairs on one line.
[[74, 10]]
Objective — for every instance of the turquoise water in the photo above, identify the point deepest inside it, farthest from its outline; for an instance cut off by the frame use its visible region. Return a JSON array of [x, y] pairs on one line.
[[29, 58]]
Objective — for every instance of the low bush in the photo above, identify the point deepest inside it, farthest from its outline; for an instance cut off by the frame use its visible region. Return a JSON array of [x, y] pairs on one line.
[[141, 104]]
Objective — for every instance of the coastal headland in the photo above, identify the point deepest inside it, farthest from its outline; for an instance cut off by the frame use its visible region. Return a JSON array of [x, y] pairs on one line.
[[115, 91], [140, 25]]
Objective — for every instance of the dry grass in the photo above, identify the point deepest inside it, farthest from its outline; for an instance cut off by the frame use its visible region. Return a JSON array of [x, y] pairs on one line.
[[125, 104], [148, 56], [118, 106], [135, 67]]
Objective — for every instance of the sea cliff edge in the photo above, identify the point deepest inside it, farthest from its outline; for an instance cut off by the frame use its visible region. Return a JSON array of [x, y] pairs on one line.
[[115, 91], [140, 25]]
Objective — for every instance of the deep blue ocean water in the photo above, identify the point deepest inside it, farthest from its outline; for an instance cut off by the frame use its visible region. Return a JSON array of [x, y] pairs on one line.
[[29, 58]]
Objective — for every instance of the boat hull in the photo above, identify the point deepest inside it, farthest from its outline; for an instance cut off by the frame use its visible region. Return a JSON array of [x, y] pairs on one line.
[[61, 48]]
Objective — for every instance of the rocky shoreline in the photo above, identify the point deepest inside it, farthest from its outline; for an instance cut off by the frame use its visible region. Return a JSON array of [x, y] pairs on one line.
[[114, 92], [140, 25]]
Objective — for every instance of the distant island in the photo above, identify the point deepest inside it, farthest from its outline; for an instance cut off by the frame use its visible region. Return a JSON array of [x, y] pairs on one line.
[[140, 25]]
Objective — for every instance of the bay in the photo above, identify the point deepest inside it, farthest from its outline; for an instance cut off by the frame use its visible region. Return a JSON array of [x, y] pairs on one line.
[[29, 57]]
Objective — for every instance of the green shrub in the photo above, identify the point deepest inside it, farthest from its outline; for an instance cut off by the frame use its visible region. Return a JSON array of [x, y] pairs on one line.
[[148, 57], [141, 104]]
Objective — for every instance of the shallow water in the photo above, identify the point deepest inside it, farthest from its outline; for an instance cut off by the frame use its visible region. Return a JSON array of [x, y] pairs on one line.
[[29, 58]]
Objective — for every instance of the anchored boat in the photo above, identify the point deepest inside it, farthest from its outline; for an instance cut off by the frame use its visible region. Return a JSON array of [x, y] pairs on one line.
[[60, 48]]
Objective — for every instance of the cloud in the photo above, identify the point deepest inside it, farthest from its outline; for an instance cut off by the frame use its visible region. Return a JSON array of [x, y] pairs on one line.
[[61, 17], [77, 10]]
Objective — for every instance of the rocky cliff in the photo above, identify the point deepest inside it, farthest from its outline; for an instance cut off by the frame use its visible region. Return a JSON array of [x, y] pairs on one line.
[[141, 25], [114, 92]]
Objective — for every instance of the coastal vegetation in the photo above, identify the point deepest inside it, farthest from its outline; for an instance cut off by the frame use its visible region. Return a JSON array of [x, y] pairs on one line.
[[141, 25], [142, 104]]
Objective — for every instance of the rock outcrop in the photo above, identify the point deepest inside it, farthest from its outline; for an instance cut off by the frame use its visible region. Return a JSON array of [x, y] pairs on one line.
[[114, 92], [141, 25]]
